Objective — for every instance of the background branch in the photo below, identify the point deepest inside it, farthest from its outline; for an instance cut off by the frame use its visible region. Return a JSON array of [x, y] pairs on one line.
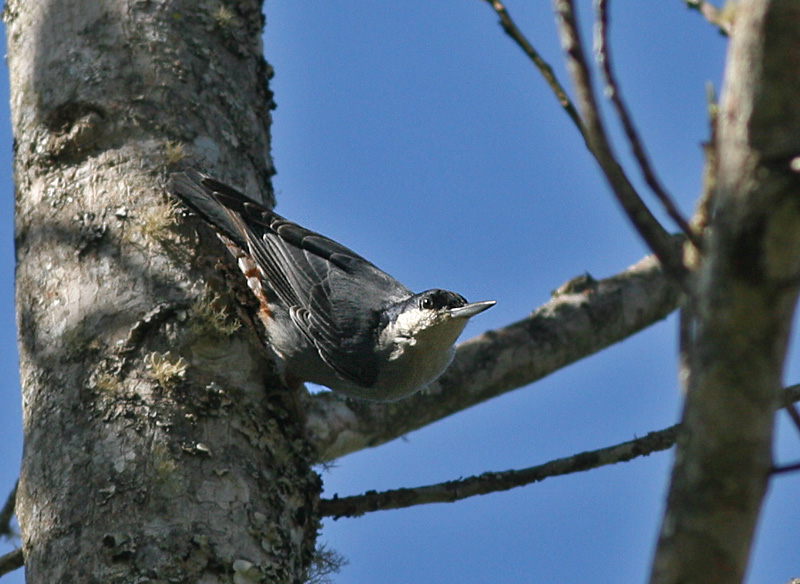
[[643, 220], [7, 512], [591, 128], [490, 482], [613, 92], [581, 318], [11, 561], [513, 31]]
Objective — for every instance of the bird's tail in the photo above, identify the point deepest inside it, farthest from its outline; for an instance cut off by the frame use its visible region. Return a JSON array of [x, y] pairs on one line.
[[217, 203]]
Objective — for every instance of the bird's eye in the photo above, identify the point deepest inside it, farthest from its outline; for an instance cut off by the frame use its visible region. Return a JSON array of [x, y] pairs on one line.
[[426, 303]]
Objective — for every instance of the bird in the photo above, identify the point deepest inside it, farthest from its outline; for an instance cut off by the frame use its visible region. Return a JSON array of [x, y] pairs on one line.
[[331, 317]]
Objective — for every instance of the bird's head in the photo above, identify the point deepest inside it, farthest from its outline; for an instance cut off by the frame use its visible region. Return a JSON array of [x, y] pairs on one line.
[[434, 318]]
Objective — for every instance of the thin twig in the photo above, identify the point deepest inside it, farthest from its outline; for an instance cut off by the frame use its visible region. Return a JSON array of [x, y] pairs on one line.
[[784, 469], [643, 220], [11, 561], [794, 415], [491, 482], [790, 395], [645, 223], [713, 15], [544, 68], [7, 512], [788, 404], [613, 92]]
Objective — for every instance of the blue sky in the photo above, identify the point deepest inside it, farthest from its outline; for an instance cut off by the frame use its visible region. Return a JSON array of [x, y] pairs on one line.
[[418, 134]]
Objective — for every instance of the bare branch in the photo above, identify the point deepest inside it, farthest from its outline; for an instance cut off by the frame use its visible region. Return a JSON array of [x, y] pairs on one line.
[[791, 395], [593, 133], [794, 415], [613, 92], [785, 469], [576, 322], [7, 512], [544, 68], [791, 409], [491, 482], [643, 220], [722, 19], [11, 561]]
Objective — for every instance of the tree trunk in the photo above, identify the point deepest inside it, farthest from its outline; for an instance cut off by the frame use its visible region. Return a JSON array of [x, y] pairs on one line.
[[152, 450], [744, 296]]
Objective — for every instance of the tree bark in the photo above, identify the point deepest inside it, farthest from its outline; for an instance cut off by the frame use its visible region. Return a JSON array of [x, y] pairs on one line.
[[744, 295], [152, 450]]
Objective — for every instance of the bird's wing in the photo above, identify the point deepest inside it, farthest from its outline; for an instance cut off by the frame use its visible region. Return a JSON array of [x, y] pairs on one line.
[[329, 289]]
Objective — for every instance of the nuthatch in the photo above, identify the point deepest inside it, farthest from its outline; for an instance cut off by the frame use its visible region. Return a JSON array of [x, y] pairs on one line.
[[331, 316]]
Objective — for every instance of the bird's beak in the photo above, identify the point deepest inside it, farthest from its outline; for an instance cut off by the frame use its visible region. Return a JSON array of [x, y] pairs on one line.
[[471, 309]]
